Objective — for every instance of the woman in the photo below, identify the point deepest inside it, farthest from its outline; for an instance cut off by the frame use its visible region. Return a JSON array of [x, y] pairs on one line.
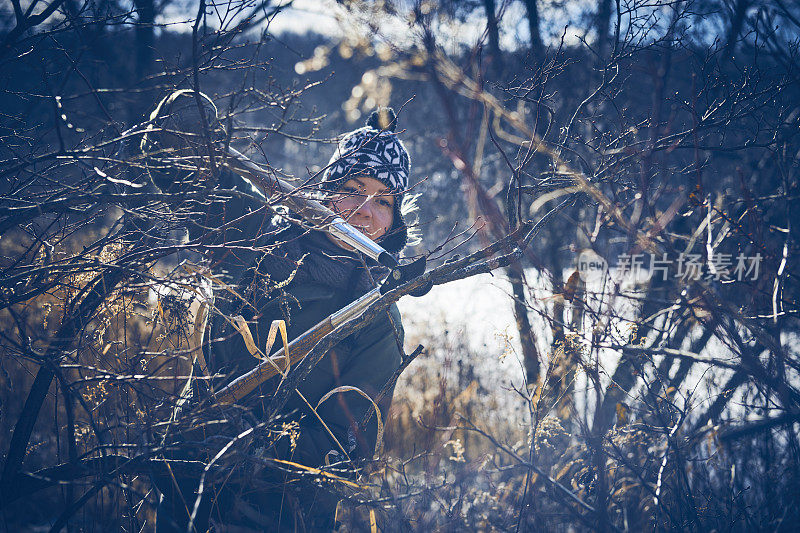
[[278, 270]]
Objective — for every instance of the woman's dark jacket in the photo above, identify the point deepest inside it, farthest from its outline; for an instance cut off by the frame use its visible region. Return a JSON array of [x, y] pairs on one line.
[[256, 258]]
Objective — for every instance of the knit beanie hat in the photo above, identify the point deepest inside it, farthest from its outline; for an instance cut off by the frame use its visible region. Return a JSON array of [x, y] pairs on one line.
[[374, 151]]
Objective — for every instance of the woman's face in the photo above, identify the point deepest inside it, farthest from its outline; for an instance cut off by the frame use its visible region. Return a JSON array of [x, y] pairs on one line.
[[367, 204]]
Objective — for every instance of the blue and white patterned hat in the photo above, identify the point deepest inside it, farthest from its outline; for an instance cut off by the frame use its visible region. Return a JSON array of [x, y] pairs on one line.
[[374, 151]]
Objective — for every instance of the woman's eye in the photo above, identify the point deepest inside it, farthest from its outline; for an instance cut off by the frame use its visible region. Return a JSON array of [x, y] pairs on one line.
[[384, 202]]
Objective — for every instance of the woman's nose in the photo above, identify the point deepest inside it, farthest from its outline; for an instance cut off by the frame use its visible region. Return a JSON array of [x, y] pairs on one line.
[[365, 207]]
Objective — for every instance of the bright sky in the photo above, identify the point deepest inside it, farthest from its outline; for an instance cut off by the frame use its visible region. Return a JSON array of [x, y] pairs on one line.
[[327, 17]]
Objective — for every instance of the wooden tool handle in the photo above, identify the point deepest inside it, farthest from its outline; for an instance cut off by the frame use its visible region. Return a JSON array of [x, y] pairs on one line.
[[274, 365]]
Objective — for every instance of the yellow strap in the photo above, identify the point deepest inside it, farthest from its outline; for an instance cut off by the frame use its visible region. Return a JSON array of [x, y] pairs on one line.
[[273, 331], [350, 388], [373, 523], [277, 325], [244, 330], [197, 336]]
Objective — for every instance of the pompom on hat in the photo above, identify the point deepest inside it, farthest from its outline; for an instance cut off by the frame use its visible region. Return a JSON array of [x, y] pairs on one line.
[[374, 151]]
